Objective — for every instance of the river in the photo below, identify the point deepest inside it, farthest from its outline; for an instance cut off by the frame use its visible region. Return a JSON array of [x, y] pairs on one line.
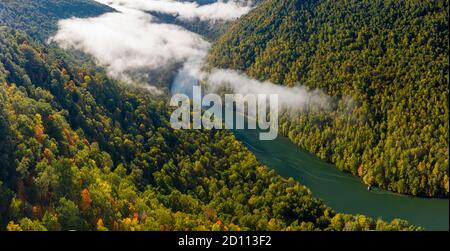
[[341, 191]]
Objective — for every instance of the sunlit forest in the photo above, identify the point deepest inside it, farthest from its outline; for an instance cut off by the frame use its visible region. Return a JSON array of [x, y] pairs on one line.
[[81, 150], [386, 65]]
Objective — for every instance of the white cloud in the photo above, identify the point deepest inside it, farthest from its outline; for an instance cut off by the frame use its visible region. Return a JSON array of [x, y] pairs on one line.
[[129, 40], [220, 10], [297, 97]]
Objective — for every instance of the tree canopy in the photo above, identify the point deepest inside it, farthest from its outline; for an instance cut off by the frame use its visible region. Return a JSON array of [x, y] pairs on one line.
[[82, 151], [39, 17], [385, 63]]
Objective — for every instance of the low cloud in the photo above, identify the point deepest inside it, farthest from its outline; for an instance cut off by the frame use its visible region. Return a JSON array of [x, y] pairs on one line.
[[129, 40], [296, 98], [220, 10]]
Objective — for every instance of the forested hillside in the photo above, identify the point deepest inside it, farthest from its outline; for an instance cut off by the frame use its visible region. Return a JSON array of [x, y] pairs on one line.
[[81, 151], [209, 29], [39, 17], [385, 63]]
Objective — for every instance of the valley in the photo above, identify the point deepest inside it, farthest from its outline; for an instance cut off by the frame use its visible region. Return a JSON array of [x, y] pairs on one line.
[[86, 141]]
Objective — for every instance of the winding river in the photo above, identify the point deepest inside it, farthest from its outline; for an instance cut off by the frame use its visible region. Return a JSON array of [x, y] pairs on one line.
[[343, 192]]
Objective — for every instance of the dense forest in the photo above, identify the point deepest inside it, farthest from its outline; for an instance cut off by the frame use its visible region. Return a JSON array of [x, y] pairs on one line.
[[39, 17], [81, 151], [385, 63]]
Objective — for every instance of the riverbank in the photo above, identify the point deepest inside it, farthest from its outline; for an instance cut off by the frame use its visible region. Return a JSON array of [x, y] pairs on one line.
[[343, 192]]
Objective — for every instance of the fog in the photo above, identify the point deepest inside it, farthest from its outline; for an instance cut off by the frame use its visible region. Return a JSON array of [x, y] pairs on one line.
[[131, 39], [289, 97], [220, 10]]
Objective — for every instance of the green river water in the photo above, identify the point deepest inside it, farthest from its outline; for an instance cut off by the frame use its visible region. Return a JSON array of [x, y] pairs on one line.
[[343, 192]]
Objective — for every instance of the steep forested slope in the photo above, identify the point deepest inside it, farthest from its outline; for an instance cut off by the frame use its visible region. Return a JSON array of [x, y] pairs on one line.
[[81, 151], [39, 17], [386, 65], [209, 29]]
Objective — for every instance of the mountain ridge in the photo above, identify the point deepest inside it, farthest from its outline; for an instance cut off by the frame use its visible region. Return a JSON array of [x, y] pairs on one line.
[[39, 18]]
